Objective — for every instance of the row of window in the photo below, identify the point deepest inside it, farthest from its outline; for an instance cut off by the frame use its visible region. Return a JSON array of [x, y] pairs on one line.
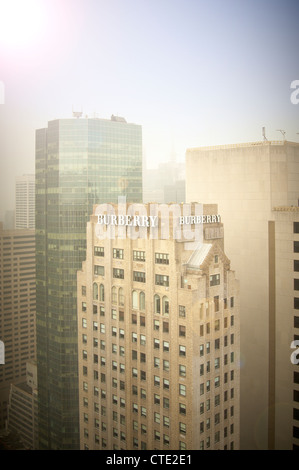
[[118, 253], [138, 276]]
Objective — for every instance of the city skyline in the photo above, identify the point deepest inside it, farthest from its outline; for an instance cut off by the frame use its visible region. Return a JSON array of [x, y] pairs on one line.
[[191, 73]]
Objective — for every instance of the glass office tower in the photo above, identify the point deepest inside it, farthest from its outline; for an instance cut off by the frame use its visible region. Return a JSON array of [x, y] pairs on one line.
[[79, 162]]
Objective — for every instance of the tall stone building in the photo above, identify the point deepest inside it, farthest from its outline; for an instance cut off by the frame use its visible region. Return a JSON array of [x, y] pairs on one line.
[[247, 181], [158, 339]]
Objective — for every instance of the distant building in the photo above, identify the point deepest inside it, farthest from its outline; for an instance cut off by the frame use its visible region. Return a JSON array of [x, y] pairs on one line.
[[248, 181], [79, 162], [25, 202], [158, 342], [17, 307], [23, 409], [165, 184]]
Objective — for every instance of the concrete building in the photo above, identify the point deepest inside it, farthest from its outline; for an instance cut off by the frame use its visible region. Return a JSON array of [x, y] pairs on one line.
[[248, 181], [158, 341], [17, 307], [23, 409], [79, 162], [25, 202]]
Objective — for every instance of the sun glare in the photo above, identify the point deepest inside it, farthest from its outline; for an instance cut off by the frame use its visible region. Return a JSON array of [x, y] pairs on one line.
[[21, 22]]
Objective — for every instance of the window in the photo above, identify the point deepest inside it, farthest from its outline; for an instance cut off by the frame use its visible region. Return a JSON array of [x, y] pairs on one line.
[[157, 304], [182, 427], [166, 421], [165, 346], [118, 273], [165, 327], [165, 304], [84, 323], [296, 377], [102, 293], [232, 302], [182, 370], [156, 325], [296, 322], [114, 295], [95, 291], [161, 280], [142, 340], [84, 307], [182, 330], [182, 390], [216, 303], [98, 251], [296, 227], [138, 276], [182, 409], [182, 351], [214, 280], [166, 365], [296, 284], [156, 343], [182, 311], [296, 247], [142, 301], [134, 299], [83, 290], [139, 255], [161, 258], [296, 303], [113, 314], [118, 253], [99, 270]]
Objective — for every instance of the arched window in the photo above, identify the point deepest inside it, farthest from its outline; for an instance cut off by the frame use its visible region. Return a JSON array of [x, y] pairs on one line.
[[121, 297], [134, 299], [95, 294], [165, 303], [102, 293], [157, 304], [142, 301], [114, 295]]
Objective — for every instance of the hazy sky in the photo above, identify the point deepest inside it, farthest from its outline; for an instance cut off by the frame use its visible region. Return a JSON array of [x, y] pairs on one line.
[[191, 72]]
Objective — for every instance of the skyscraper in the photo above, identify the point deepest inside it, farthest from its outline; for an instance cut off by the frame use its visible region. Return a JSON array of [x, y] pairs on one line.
[[158, 339], [79, 162], [25, 202], [248, 181]]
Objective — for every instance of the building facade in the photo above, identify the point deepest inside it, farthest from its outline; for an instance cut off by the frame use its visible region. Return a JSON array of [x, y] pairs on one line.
[[78, 162], [284, 326], [158, 342], [23, 408], [25, 202], [248, 181], [17, 307]]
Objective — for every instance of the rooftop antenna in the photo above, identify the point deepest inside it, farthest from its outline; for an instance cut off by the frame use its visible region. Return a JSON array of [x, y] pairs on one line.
[[77, 114], [264, 133], [283, 133]]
